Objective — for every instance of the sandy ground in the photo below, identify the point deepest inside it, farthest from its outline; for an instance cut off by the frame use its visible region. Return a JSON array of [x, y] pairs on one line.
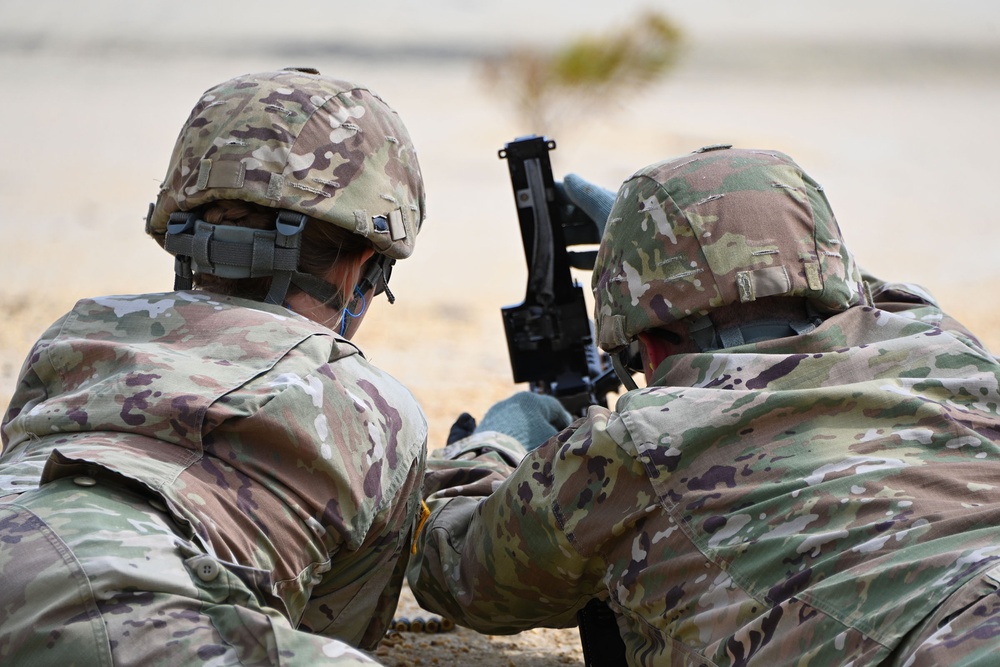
[[461, 646], [891, 105]]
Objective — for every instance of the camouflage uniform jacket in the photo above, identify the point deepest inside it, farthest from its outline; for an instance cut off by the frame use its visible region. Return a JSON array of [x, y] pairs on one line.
[[806, 500], [273, 442]]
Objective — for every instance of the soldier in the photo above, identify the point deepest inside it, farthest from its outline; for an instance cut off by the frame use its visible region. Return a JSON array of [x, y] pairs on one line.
[[810, 476], [217, 475]]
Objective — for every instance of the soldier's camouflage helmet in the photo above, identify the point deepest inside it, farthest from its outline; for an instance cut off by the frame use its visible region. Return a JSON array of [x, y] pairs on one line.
[[717, 227], [299, 141]]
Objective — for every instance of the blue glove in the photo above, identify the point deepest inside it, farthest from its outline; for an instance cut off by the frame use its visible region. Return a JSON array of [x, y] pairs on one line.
[[529, 418], [592, 199]]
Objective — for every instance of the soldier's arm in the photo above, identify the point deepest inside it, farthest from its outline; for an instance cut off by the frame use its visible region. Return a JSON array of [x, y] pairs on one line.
[[494, 554], [30, 389]]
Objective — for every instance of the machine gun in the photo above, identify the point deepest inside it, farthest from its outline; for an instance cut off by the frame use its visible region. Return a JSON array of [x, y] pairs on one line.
[[549, 336]]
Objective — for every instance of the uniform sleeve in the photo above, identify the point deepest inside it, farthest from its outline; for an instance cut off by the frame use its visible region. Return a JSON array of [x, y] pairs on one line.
[[364, 486], [363, 584], [494, 554], [30, 390]]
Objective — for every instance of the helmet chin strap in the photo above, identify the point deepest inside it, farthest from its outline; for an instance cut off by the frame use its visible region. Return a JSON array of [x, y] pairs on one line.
[[374, 279], [624, 376], [319, 289]]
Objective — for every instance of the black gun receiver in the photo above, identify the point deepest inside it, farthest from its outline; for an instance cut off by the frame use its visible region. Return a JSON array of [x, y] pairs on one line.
[[549, 336]]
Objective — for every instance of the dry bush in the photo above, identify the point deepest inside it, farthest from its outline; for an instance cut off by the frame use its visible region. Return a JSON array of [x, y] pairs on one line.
[[586, 74]]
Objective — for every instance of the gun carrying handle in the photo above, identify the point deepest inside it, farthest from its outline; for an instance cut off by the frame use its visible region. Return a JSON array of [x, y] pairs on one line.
[[541, 271]]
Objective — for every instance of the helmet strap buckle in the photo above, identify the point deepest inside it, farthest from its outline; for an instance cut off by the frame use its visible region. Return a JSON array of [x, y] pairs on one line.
[[288, 228], [180, 223]]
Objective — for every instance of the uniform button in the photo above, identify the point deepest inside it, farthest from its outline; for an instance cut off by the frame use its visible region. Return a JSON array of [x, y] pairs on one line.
[[206, 569], [83, 480]]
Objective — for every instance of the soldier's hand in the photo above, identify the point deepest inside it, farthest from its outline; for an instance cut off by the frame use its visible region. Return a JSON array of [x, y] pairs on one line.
[[593, 200], [529, 418], [464, 426]]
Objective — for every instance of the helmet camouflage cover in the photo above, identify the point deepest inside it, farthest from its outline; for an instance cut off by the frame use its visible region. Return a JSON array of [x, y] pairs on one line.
[[299, 141], [717, 227]]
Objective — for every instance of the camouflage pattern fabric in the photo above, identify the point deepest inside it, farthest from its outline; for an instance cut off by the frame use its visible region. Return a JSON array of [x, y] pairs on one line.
[[299, 141], [277, 449], [94, 576], [827, 499], [716, 227]]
